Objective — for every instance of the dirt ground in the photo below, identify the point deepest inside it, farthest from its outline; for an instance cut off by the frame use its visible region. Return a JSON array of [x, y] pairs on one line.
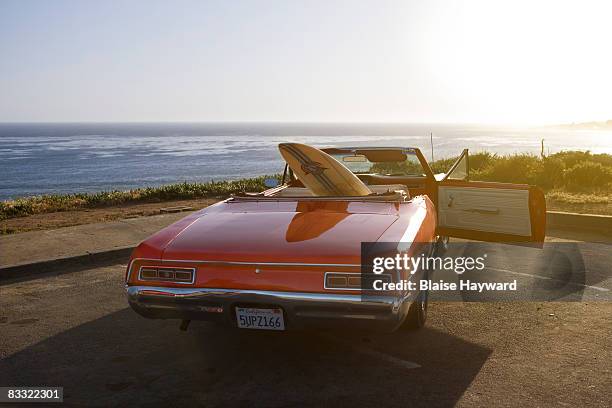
[[94, 215]]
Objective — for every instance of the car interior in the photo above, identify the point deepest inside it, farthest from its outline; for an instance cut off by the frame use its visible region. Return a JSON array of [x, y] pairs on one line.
[[385, 171]]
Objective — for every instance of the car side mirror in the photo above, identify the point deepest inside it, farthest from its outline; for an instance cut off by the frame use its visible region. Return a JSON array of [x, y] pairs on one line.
[[271, 182]]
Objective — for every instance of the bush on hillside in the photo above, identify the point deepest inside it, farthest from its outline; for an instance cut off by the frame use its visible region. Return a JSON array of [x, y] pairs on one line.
[[478, 161], [550, 174], [588, 176], [442, 165], [572, 170], [481, 160], [517, 168], [572, 158]]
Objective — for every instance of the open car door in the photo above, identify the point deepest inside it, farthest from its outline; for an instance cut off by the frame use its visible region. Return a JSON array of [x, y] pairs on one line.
[[488, 211]]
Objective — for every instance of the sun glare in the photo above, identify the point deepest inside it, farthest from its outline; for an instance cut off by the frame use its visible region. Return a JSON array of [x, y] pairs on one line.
[[523, 61]]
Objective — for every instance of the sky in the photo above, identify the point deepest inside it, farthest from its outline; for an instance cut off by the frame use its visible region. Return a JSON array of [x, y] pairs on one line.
[[512, 62]]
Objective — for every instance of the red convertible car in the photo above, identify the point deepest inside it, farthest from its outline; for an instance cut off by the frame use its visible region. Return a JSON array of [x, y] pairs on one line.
[[290, 256]]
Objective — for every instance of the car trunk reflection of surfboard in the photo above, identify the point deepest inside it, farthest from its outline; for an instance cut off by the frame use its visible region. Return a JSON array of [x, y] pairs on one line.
[[310, 221], [321, 173]]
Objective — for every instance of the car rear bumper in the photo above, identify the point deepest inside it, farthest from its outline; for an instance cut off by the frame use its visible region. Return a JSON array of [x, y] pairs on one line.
[[301, 310]]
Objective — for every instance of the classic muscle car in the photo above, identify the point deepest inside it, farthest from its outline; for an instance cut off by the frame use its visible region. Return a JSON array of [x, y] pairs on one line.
[[290, 256]]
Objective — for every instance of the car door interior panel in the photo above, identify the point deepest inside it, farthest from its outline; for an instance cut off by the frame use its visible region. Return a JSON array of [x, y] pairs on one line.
[[504, 211]]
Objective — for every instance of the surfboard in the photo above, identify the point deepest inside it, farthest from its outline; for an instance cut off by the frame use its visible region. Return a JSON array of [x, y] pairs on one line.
[[320, 172]]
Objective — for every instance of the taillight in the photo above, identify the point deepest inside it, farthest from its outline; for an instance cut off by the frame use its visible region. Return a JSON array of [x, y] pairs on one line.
[[167, 274]]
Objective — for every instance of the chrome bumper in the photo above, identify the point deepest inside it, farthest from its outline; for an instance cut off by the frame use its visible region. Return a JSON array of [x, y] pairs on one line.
[[301, 310]]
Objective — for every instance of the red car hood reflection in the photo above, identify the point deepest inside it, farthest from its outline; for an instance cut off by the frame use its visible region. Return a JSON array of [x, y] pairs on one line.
[[300, 236]]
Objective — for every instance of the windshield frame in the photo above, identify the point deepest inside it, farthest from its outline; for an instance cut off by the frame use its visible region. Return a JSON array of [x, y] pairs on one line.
[[409, 151], [288, 175]]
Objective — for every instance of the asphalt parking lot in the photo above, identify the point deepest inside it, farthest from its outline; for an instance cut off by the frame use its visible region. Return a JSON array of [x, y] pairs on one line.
[[75, 330]]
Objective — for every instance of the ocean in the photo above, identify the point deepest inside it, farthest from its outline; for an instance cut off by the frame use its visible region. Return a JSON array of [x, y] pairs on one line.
[[39, 158]]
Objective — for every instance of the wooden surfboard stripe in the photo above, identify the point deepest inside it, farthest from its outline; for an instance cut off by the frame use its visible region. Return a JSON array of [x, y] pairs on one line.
[[321, 177], [349, 181]]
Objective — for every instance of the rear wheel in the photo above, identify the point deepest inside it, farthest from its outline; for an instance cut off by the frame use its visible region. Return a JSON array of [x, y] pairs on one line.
[[417, 314]]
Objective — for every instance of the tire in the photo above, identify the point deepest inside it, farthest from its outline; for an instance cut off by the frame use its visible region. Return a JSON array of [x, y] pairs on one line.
[[417, 314], [441, 245]]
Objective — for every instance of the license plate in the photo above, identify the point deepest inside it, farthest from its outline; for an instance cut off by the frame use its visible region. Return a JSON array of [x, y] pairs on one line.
[[262, 319]]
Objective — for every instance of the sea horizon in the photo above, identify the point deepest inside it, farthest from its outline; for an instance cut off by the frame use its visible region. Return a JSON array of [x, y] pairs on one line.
[[76, 157]]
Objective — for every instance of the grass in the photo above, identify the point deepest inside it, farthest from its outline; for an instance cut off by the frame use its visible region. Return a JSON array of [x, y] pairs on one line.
[[579, 198], [588, 203], [573, 181], [180, 191]]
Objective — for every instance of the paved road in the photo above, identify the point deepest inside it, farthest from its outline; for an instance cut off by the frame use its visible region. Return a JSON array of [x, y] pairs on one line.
[[75, 330]]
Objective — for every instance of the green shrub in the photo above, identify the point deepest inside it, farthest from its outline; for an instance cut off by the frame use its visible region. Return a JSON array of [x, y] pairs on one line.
[[442, 165], [550, 174], [572, 158], [588, 176], [478, 162], [557, 171], [481, 160], [517, 168]]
